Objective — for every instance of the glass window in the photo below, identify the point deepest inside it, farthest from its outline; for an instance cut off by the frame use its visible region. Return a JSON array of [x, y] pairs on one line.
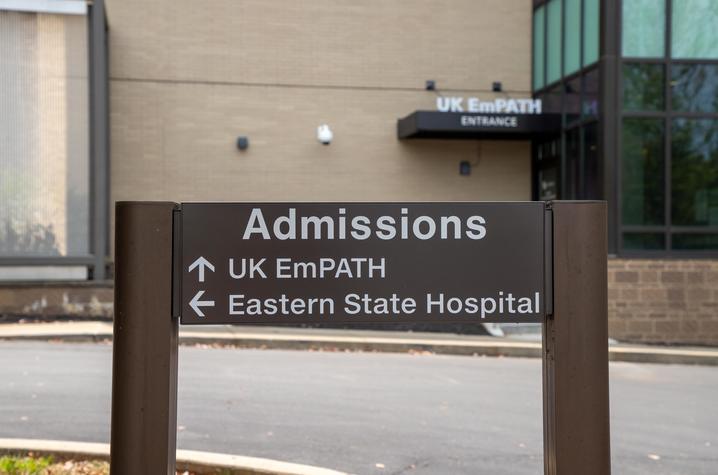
[[695, 29], [44, 140], [553, 46], [643, 87], [593, 183], [572, 37], [573, 99], [644, 25], [642, 177], [548, 183], [539, 49], [644, 241], [548, 150], [590, 94], [573, 157], [694, 242], [591, 16], [694, 172], [551, 100], [694, 87]]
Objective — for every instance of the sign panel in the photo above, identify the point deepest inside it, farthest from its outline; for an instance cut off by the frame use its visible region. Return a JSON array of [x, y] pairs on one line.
[[281, 263], [470, 125]]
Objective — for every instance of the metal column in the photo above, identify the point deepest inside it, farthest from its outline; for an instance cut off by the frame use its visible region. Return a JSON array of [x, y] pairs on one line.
[[99, 138], [575, 344], [144, 366], [610, 112]]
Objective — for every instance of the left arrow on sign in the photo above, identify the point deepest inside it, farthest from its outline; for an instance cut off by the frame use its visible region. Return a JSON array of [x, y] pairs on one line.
[[196, 303], [201, 263]]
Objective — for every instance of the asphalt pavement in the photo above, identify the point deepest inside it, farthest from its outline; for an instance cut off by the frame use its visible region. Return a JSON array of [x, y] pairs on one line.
[[367, 413]]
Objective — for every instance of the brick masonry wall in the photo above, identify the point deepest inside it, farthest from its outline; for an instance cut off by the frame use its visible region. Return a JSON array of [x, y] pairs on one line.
[[39, 301], [663, 301], [649, 301]]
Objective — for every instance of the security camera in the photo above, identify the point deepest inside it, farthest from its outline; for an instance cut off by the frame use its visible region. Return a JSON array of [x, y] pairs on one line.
[[324, 134]]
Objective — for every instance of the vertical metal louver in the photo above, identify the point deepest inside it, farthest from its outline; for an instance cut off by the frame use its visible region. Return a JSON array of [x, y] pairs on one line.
[[44, 163]]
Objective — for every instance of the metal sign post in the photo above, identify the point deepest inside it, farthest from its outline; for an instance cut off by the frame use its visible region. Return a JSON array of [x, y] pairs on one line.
[[575, 344], [292, 263], [144, 358]]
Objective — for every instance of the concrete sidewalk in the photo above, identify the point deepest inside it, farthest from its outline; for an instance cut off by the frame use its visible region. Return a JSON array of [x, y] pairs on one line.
[[355, 340]]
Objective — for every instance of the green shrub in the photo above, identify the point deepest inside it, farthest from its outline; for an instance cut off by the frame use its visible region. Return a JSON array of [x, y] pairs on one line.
[[23, 465]]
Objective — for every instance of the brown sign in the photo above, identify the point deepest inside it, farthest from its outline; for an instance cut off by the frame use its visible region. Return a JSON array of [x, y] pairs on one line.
[[279, 263]]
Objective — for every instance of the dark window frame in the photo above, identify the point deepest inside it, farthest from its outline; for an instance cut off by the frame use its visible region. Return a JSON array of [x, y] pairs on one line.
[[668, 115], [583, 120], [610, 117]]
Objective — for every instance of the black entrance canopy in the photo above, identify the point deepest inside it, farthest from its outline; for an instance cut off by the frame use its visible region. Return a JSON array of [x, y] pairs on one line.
[[468, 125]]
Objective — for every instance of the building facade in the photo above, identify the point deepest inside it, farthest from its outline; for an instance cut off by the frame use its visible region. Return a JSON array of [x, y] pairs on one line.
[[425, 101]]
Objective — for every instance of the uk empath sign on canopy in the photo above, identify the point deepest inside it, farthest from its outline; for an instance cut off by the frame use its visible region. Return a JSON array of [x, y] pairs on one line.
[[283, 263]]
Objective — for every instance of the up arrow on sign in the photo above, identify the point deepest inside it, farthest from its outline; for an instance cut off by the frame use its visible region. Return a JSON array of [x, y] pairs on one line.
[[201, 263], [196, 303]]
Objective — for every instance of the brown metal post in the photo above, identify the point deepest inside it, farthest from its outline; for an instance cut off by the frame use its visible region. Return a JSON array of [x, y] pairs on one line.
[[144, 363], [575, 340]]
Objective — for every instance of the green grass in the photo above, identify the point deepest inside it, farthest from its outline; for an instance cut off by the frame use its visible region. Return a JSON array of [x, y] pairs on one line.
[[10, 465]]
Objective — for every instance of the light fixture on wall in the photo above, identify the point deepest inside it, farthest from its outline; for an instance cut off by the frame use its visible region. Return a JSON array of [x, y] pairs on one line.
[[496, 86], [465, 168], [324, 134], [242, 142], [430, 85]]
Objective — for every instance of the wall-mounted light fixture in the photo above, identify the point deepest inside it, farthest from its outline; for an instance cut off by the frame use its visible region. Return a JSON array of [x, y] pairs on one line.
[[324, 134], [430, 85], [465, 168], [496, 86], [242, 142]]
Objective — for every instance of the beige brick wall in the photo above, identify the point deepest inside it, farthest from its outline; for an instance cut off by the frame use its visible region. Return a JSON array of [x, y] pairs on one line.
[[177, 142], [663, 301], [188, 77], [463, 44]]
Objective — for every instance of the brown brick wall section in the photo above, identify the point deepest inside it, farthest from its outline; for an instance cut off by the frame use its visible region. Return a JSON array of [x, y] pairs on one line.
[[57, 300], [663, 301], [649, 301]]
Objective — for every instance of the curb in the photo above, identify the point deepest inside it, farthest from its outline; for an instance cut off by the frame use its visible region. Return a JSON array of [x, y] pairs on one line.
[[687, 356], [367, 344], [459, 345], [199, 462]]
